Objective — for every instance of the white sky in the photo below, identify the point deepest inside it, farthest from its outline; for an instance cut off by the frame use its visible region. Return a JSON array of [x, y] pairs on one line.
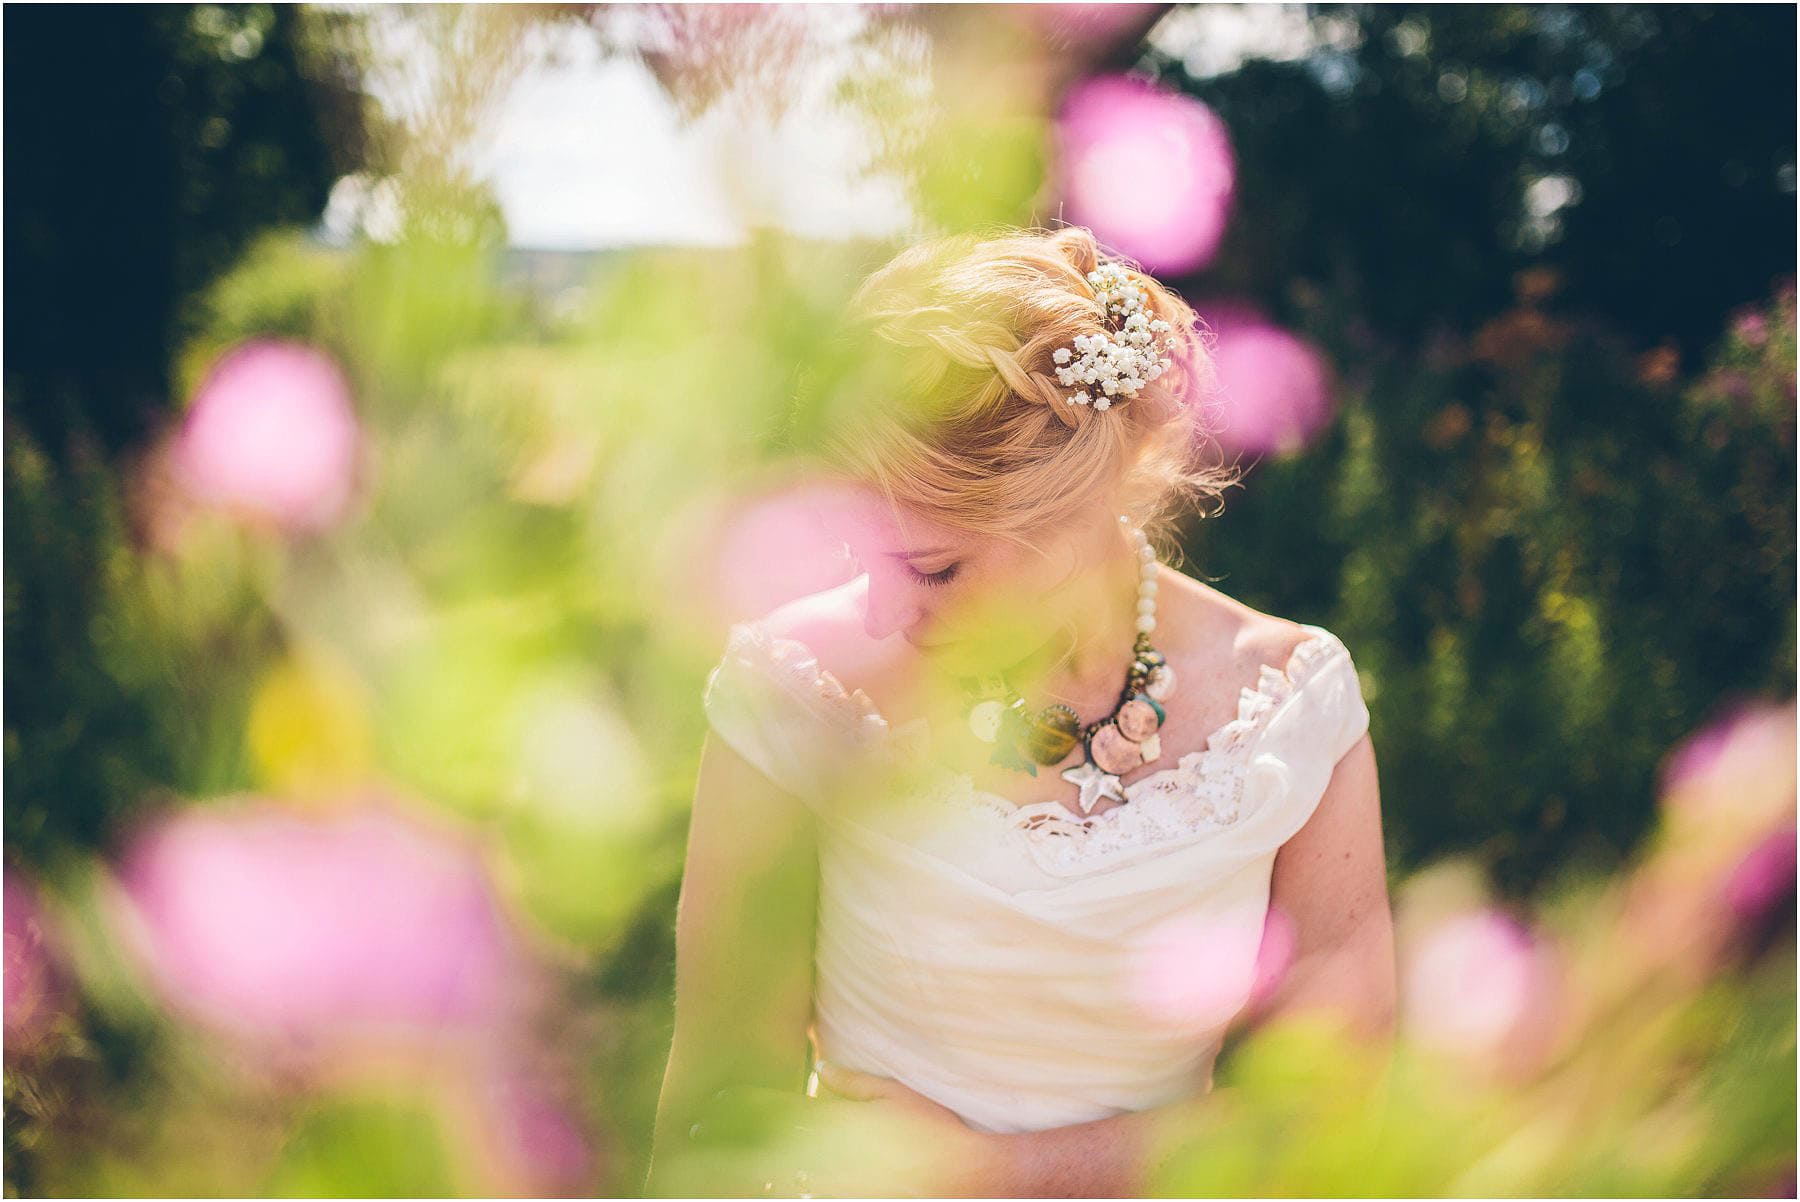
[[587, 151]]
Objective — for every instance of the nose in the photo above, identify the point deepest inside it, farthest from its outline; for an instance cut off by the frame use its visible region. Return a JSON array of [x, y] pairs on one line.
[[888, 607]]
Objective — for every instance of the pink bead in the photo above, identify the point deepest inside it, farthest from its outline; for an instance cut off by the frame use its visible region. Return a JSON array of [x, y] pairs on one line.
[[1114, 752], [1137, 720]]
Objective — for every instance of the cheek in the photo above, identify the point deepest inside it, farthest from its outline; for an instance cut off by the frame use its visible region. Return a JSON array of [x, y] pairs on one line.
[[1014, 599], [1012, 581], [993, 597]]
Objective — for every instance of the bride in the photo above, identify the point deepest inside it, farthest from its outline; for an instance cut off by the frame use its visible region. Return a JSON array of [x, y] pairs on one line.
[[995, 844]]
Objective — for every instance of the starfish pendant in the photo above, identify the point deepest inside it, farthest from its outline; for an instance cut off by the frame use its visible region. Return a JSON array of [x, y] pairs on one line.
[[1095, 783]]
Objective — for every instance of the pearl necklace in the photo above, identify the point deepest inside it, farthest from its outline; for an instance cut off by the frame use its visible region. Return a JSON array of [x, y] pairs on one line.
[[1119, 742]]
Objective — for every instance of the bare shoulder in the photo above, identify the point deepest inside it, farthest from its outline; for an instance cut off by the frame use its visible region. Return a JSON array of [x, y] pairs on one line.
[[1218, 635]]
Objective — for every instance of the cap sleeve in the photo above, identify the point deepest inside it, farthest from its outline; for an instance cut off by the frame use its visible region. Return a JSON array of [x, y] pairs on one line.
[[1324, 718], [1346, 714], [793, 720]]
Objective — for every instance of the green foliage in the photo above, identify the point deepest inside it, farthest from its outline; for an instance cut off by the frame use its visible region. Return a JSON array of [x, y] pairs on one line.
[[1552, 551], [1542, 545], [371, 1147], [133, 678], [161, 140], [1555, 520]]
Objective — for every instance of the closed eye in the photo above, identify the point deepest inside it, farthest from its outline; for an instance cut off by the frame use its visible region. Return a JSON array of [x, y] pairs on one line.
[[942, 576]]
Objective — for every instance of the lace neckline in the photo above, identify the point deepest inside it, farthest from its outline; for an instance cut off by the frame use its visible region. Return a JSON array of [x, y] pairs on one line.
[[1201, 790], [1273, 685]]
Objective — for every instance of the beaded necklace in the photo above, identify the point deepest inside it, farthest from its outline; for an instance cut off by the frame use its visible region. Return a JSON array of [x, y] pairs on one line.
[[1126, 738]]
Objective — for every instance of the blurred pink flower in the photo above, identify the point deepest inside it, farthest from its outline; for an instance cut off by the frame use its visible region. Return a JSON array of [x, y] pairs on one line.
[[32, 983], [1752, 328], [1148, 169], [544, 1151], [1273, 390], [1274, 957], [1724, 848], [1198, 971], [1763, 877], [271, 432], [1700, 751], [1472, 983], [1739, 765], [1734, 385], [287, 928], [769, 549]]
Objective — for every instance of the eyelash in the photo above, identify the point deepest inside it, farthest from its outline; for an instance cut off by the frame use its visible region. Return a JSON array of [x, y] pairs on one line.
[[935, 579], [943, 576]]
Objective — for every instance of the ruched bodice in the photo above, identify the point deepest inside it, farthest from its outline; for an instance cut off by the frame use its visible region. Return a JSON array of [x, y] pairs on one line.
[[1021, 965]]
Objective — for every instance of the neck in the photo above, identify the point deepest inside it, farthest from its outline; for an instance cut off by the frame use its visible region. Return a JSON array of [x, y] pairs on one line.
[[1089, 652]]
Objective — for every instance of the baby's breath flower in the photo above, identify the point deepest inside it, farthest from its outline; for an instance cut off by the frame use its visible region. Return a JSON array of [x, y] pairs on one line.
[[1122, 365]]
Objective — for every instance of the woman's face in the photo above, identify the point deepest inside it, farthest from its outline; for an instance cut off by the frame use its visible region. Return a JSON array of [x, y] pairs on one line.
[[960, 598]]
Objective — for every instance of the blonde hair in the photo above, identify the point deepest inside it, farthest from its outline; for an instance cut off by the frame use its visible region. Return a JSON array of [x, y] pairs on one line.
[[958, 414]]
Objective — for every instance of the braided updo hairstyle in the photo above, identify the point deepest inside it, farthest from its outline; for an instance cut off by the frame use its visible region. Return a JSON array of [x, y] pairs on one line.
[[959, 413]]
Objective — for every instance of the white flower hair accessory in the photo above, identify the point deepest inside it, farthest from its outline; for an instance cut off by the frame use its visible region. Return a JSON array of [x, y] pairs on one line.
[[1120, 365]]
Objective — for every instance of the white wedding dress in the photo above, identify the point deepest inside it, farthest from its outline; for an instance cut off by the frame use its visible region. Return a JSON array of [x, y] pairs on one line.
[[1026, 967]]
